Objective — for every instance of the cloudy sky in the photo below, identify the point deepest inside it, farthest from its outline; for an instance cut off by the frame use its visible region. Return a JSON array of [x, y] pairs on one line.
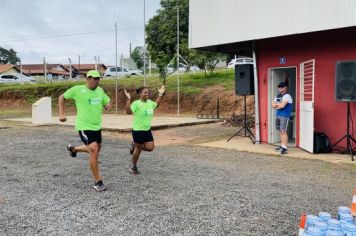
[[62, 29]]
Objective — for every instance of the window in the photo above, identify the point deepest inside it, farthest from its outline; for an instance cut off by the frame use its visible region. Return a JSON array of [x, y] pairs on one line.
[[8, 77]]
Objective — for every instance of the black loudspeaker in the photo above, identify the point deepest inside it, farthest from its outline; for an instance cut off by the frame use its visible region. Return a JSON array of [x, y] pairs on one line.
[[345, 81], [244, 83]]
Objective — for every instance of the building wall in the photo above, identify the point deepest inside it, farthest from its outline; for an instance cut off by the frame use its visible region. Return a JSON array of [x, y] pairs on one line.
[[216, 22], [326, 48]]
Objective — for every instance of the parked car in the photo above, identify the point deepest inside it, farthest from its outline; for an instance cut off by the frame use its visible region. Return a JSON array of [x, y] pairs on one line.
[[16, 78], [239, 61], [135, 72], [121, 71], [182, 68]]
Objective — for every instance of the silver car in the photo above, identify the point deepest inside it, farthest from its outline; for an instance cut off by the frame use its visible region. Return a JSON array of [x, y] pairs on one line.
[[16, 78]]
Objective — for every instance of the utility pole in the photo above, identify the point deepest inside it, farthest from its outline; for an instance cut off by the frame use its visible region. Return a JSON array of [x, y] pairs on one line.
[[79, 66], [116, 68], [149, 66], [130, 51], [98, 60], [21, 68], [45, 68], [178, 103], [96, 63], [70, 68], [144, 42]]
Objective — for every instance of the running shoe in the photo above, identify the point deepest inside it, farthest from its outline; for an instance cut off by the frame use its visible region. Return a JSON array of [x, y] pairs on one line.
[[284, 151], [278, 149], [70, 148], [99, 186], [134, 171]]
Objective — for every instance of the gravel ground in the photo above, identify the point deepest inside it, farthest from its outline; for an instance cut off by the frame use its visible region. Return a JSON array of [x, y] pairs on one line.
[[183, 189]]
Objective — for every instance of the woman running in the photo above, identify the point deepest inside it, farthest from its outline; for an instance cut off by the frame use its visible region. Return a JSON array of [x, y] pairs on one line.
[[143, 110]]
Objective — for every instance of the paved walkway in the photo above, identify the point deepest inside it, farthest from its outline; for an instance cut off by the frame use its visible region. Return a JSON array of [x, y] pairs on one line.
[[245, 145], [124, 122]]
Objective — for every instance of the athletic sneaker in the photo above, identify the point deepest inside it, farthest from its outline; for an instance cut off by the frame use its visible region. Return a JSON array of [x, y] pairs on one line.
[[134, 171], [132, 148], [99, 186], [70, 148], [284, 151], [278, 149]]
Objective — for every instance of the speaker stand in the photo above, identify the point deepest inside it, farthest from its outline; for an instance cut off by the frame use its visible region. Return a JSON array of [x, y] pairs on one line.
[[247, 132], [348, 136]]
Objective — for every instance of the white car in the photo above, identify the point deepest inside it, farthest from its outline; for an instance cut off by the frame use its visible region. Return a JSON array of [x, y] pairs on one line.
[[239, 61], [111, 72], [182, 68], [16, 78]]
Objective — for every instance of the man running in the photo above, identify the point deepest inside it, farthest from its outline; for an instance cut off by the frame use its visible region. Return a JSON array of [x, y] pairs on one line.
[[89, 101]]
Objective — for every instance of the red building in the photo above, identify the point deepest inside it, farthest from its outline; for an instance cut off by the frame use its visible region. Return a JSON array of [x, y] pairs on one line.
[[295, 41]]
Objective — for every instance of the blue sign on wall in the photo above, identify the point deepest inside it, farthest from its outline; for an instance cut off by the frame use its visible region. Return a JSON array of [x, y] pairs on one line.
[[282, 60]]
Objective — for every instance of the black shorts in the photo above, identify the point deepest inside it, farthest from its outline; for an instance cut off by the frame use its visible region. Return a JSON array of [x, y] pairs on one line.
[[90, 136], [142, 137]]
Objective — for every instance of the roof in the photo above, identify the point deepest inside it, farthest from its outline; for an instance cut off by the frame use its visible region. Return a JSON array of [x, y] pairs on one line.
[[86, 66], [39, 69], [6, 67], [225, 22]]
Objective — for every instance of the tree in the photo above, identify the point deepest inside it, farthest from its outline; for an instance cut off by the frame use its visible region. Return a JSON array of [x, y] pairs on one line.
[[8, 56], [137, 56], [161, 32]]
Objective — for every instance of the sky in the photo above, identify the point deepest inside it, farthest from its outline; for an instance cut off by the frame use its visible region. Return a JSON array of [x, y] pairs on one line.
[[62, 29]]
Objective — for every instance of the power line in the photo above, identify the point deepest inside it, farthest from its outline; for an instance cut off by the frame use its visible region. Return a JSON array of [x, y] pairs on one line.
[[69, 35]]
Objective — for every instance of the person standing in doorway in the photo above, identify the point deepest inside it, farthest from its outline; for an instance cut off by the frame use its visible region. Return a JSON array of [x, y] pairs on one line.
[[143, 110], [283, 105], [89, 101]]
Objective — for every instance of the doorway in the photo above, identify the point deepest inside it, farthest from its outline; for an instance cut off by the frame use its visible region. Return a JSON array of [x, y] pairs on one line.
[[277, 75]]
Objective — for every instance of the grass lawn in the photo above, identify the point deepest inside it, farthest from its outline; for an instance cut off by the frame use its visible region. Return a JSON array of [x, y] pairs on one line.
[[191, 83]]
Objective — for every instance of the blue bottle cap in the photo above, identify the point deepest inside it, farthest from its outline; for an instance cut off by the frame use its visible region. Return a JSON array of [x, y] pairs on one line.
[[350, 227], [324, 216], [313, 231], [322, 226], [344, 209], [346, 217], [312, 219]]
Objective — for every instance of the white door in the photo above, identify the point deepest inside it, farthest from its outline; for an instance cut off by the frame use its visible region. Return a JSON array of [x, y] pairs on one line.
[[306, 134]]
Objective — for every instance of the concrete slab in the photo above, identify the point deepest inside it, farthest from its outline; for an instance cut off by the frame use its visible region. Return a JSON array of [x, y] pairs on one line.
[[245, 145], [123, 123]]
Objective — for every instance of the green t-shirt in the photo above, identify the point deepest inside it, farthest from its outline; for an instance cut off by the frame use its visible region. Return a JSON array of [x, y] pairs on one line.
[[143, 114], [89, 105]]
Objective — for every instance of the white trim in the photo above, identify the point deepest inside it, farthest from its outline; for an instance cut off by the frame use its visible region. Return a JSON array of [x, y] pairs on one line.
[[270, 112]]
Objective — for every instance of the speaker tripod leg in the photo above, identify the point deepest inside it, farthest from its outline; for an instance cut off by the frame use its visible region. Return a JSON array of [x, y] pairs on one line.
[[338, 141], [235, 134], [250, 135]]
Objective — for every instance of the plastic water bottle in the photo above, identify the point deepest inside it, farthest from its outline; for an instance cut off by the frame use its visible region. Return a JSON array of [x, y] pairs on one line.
[[343, 210], [346, 217], [349, 229], [311, 221], [324, 216], [322, 226], [313, 231], [334, 228]]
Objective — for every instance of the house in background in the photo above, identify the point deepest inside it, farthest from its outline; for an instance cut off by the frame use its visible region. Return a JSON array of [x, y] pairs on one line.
[[296, 41], [53, 71], [8, 69], [84, 68]]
